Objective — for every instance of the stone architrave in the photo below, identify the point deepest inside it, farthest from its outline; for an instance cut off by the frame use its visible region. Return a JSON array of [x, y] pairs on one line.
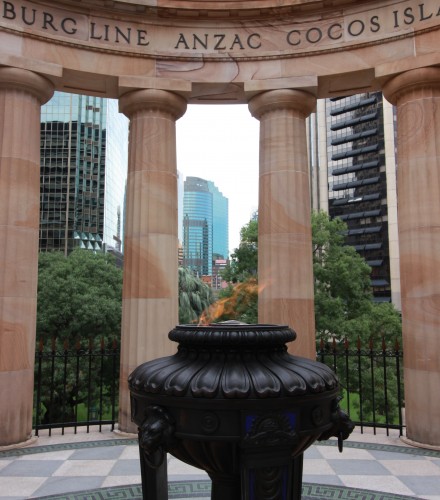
[[285, 268], [416, 94], [150, 291], [21, 95]]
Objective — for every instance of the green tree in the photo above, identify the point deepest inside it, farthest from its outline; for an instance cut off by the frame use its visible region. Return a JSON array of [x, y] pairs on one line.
[[344, 306], [194, 296], [79, 304], [79, 296], [342, 280], [385, 323], [244, 261]]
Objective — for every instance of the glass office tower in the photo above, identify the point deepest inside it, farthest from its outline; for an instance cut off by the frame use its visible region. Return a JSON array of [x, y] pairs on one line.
[[205, 225], [220, 223], [197, 226], [84, 155]]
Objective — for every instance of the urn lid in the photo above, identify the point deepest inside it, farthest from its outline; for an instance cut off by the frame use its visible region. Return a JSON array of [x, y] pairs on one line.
[[230, 334]]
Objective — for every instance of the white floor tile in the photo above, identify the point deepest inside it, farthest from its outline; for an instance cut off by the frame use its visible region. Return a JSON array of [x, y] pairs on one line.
[[317, 466], [20, 486], [4, 463], [120, 481], [386, 484], [85, 468], [130, 453], [411, 467]]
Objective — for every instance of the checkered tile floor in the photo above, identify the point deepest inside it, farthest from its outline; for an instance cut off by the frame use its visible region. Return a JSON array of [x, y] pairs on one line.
[[60, 469]]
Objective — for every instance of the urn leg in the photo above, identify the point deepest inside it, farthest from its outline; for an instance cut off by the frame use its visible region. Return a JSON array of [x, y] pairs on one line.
[[297, 476], [225, 487], [154, 479], [271, 473]]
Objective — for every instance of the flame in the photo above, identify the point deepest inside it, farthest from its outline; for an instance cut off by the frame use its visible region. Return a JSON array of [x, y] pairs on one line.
[[227, 307]]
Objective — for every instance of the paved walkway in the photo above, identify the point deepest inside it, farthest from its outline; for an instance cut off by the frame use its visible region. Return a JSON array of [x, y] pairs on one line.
[[104, 465]]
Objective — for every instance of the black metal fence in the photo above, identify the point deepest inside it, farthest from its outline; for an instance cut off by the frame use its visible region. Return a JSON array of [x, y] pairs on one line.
[[78, 386], [371, 378]]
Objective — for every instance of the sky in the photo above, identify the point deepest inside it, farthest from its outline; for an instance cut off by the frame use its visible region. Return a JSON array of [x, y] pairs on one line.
[[220, 143]]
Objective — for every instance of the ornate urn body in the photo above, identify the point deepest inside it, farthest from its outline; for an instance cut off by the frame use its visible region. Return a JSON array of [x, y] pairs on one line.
[[236, 404]]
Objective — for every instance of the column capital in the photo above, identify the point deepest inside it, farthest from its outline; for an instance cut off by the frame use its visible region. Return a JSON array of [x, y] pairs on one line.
[[28, 81], [152, 99], [275, 100], [415, 79]]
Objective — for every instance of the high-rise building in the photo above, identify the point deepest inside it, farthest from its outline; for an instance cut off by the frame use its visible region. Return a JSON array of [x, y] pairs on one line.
[[205, 225], [180, 190], [84, 155], [218, 266], [197, 226], [220, 223], [353, 174]]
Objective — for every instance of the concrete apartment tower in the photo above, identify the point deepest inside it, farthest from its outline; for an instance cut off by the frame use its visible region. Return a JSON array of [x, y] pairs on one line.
[[353, 177]]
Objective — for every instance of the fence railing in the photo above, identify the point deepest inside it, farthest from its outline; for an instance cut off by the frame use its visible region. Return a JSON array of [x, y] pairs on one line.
[[78, 386], [371, 378]]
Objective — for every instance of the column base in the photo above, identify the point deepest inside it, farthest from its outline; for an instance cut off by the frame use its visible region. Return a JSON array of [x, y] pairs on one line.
[[123, 434], [416, 444], [32, 440]]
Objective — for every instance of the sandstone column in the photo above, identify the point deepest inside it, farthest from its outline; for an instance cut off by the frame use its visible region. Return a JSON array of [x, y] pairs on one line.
[[284, 240], [417, 97], [21, 95], [150, 292]]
